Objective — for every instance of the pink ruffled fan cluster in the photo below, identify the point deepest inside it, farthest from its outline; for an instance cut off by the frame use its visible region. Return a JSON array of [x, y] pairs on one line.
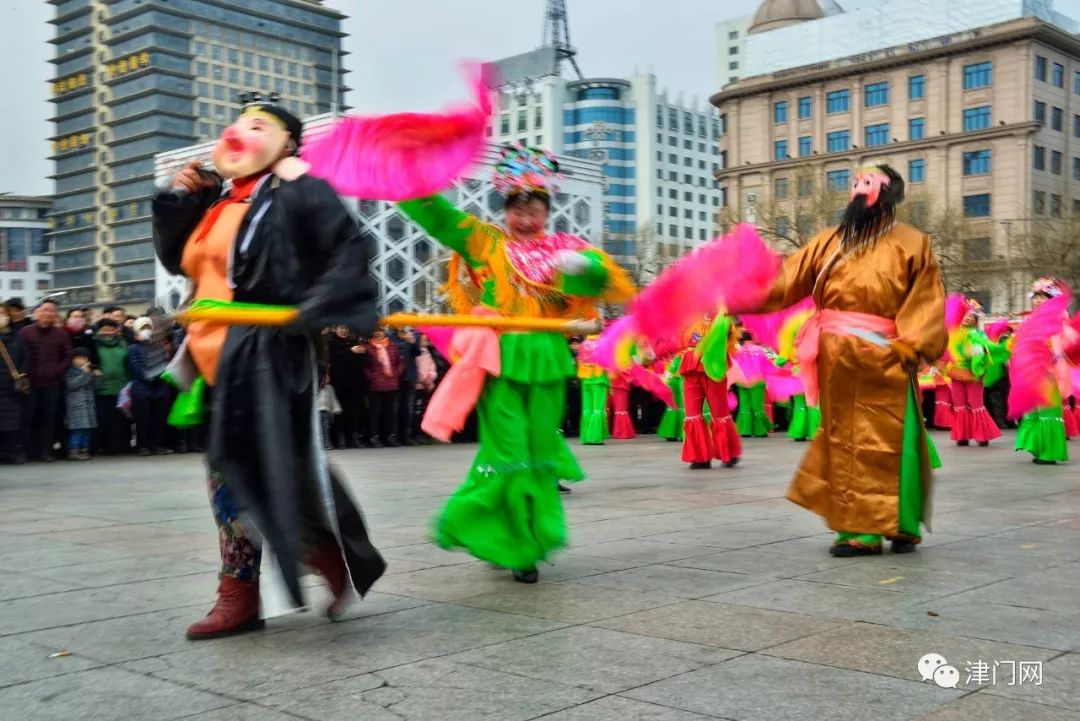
[[1034, 370], [403, 155]]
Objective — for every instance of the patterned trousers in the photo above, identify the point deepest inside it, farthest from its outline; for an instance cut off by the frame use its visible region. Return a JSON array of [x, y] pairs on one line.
[[241, 547]]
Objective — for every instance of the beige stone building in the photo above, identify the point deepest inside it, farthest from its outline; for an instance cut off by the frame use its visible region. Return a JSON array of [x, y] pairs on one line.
[[984, 125]]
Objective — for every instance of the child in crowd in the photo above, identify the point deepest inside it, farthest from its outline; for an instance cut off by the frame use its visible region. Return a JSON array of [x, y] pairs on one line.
[[81, 416]]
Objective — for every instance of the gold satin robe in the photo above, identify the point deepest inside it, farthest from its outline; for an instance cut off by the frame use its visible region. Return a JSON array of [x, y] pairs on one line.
[[851, 472]]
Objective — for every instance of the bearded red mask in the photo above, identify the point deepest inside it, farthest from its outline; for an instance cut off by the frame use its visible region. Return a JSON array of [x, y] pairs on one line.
[[250, 145], [868, 183]]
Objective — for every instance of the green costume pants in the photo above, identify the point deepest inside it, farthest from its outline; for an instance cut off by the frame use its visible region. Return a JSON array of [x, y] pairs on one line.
[[508, 511], [594, 420], [751, 420], [1042, 434]]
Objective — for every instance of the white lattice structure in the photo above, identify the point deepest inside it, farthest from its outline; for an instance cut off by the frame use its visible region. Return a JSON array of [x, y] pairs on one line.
[[409, 265]]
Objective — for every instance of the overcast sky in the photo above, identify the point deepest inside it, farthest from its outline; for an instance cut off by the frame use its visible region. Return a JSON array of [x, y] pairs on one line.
[[403, 55]]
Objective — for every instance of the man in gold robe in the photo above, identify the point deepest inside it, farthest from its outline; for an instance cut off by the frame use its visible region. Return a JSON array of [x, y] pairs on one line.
[[879, 304]]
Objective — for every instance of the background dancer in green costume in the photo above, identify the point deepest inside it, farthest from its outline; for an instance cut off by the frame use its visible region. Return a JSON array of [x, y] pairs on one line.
[[595, 384], [508, 511]]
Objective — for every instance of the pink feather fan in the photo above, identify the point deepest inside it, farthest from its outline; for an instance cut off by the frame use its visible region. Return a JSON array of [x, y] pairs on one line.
[[653, 383], [998, 328], [1031, 368], [766, 326], [403, 155], [956, 308], [732, 274]]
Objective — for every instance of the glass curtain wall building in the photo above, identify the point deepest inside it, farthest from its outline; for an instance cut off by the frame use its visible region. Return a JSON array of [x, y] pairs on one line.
[[134, 78]]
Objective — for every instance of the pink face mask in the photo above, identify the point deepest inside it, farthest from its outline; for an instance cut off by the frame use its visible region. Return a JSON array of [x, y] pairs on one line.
[[870, 185]]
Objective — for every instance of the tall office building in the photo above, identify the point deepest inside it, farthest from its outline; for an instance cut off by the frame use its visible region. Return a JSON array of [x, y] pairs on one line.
[[731, 44], [139, 77], [658, 153], [983, 122]]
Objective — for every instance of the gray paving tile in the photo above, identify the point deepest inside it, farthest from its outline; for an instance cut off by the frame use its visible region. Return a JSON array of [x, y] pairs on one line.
[[984, 707], [1060, 682], [447, 583], [21, 585], [124, 570], [616, 708], [22, 661], [966, 615], [244, 712], [436, 689], [642, 551], [675, 581], [594, 658], [106, 694], [745, 688], [823, 599], [718, 624], [902, 578], [896, 652], [568, 602], [763, 561]]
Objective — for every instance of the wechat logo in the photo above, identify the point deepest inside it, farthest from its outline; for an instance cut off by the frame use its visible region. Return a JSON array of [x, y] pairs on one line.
[[934, 667]]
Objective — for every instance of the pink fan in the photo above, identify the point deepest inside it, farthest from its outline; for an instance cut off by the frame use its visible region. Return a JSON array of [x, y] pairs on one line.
[[653, 383], [782, 384], [733, 273], [956, 307], [440, 337], [1031, 368], [403, 155], [766, 326], [998, 328], [755, 365]]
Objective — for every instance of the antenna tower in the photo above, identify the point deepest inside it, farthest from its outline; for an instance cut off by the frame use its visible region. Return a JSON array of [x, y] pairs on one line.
[[557, 35]]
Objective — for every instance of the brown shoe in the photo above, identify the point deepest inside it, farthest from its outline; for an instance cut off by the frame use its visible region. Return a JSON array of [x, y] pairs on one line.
[[327, 561], [236, 611]]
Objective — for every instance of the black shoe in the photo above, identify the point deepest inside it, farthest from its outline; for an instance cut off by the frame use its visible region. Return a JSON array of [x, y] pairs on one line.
[[672, 440], [846, 550], [391, 443], [984, 444], [732, 463], [18, 459], [409, 442], [700, 466], [902, 544], [530, 576], [564, 489], [963, 444], [801, 440], [1041, 462]]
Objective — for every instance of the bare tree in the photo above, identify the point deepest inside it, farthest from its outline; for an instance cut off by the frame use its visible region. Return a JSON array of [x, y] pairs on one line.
[[1048, 246], [792, 212]]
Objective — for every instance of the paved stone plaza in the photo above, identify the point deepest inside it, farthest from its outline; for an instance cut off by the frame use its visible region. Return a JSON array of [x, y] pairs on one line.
[[686, 596]]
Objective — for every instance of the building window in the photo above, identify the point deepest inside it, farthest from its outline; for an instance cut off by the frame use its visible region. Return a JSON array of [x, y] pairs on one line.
[[977, 118], [1038, 202], [1056, 119], [1040, 112], [916, 128], [522, 122], [838, 101], [1040, 68], [916, 171], [1076, 209], [733, 66], [1076, 168], [504, 124], [806, 146], [733, 50], [779, 112], [688, 162], [838, 141], [733, 35], [806, 186], [1038, 158], [1058, 76], [977, 162], [780, 188], [877, 135], [1055, 162], [978, 75], [837, 180], [673, 158], [977, 206], [673, 211], [780, 150], [538, 118], [1055, 206], [673, 176], [673, 141], [876, 94], [806, 107], [916, 87]]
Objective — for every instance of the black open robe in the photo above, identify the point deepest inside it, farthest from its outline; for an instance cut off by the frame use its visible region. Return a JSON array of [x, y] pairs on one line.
[[296, 246]]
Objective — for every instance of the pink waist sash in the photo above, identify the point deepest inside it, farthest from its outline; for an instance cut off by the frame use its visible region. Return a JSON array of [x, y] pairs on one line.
[[835, 322]]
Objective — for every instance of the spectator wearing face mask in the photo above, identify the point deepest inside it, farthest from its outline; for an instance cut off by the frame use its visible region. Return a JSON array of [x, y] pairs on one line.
[[49, 355], [77, 327], [147, 360]]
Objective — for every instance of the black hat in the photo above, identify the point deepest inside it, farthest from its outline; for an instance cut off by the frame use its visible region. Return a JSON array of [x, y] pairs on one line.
[[109, 322], [16, 303], [256, 102], [80, 352]]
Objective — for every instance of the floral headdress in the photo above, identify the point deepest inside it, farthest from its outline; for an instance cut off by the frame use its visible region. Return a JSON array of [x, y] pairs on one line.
[[527, 170], [1047, 285], [973, 305]]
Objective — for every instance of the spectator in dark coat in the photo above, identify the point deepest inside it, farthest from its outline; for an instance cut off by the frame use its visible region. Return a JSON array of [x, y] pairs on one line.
[[383, 368], [18, 314], [147, 360], [347, 356], [81, 336], [49, 355], [11, 401], [81, 418], [409, 350]]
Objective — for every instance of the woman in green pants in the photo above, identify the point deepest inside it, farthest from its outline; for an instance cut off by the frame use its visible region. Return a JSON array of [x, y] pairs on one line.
[[508, 512]]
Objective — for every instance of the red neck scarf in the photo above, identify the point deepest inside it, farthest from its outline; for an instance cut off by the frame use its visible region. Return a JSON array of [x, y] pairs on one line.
[[240, 191]]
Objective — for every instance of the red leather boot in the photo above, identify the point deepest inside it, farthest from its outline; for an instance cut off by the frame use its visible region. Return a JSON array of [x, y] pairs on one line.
[[236, 611], [327, 561]]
